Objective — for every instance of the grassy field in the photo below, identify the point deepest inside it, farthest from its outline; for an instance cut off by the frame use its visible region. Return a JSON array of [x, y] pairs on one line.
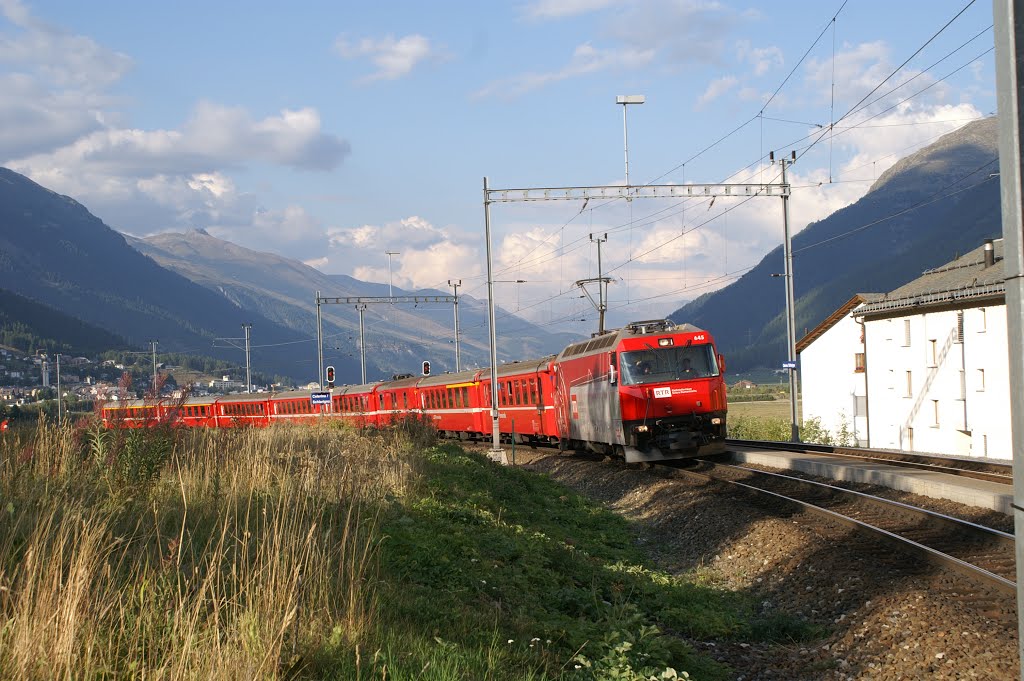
[[776, 409], [323, 553]]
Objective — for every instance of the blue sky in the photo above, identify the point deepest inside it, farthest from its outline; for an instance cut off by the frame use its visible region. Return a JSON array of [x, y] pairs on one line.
[[332, 132]]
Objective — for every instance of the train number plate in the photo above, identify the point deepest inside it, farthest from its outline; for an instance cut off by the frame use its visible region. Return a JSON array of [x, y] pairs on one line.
[[663, 392]]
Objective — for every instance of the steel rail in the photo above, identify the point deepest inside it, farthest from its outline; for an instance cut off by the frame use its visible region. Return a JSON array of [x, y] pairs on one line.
[[980, 575], [979, 470]]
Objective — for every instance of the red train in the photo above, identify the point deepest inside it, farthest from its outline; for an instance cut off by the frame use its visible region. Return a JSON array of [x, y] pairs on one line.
[[648, 391]]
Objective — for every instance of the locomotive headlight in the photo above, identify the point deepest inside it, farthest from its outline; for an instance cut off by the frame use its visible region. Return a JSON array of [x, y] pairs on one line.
[[716, 421], [664, 342], [641, 429]]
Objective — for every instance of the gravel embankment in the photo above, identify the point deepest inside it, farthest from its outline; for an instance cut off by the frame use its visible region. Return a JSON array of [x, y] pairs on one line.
[[887, 618]]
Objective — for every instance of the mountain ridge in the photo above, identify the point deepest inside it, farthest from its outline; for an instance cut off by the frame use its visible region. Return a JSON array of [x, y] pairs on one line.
[[54, 251], [398, 337]]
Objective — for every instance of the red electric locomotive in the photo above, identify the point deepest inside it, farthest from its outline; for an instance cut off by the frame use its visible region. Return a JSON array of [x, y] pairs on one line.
[[649, 391]]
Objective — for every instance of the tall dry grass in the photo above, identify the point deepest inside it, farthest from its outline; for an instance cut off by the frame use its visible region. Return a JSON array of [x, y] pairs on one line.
[[244, 556]]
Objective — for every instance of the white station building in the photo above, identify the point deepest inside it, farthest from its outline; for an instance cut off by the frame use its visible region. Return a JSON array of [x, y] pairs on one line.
[[922, 368]]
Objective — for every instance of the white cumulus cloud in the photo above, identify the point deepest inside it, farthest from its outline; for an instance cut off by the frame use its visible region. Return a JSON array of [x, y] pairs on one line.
[[586, 59], [763, 59], [393, 57], [716, 89], [560, 9]]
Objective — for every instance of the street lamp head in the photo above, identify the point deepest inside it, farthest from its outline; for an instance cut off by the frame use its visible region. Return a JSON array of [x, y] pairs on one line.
[[629, 99]]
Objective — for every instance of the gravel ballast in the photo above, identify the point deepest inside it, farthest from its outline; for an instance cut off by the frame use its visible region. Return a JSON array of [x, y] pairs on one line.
[[886, 616]]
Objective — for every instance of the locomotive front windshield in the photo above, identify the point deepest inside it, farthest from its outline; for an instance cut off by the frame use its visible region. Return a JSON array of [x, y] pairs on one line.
[[657, 365]]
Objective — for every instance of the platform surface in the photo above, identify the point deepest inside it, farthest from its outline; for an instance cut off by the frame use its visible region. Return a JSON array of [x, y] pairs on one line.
[[958, 488]]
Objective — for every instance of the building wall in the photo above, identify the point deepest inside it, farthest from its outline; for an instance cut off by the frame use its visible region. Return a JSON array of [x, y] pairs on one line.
[[932, 393], [831, 388]]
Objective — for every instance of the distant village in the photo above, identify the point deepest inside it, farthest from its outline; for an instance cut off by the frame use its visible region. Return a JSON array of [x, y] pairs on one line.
[[28, 379]]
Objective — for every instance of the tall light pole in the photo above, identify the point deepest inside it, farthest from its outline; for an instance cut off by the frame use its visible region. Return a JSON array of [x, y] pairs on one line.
[[390, 253], [625, 101], [458, 357], [790, 305]]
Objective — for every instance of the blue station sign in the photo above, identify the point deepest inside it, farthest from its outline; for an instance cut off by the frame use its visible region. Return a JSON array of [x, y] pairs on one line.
[[320, 397]]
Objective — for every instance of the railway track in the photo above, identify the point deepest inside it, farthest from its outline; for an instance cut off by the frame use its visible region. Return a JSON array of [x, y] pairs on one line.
[[982, 555], [981, 470]]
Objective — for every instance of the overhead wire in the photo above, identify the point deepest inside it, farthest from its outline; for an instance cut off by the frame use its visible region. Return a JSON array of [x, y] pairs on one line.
[[832, 130]]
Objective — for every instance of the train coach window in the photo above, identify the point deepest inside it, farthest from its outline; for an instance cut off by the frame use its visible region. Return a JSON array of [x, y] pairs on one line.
[[519, 393], [405, 400], [465, 396], [533, 391]]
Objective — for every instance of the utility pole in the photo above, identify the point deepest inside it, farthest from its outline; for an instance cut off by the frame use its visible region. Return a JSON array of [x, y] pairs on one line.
[[496, 451], [602, 286], [248, 367], [601, 306], [59, 412], [319, 345], [458, 358], [362, 345], [1009, 43], [153, 344], [790, 305]]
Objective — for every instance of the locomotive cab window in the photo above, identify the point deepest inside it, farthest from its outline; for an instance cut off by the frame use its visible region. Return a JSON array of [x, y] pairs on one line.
[[672, 363]]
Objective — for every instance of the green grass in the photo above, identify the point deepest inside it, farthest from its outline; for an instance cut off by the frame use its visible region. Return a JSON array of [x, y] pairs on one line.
[[778, 409], [323, 553], [516, 577]]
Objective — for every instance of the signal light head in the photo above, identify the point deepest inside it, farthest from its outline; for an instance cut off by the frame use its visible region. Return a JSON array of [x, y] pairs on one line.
[[330, 374], [426, 368]]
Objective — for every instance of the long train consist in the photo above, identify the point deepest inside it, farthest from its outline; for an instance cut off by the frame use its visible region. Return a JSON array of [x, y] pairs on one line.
[[648, 391]]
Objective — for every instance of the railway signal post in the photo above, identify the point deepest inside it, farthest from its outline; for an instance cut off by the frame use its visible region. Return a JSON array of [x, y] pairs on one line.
[[361, 302]]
